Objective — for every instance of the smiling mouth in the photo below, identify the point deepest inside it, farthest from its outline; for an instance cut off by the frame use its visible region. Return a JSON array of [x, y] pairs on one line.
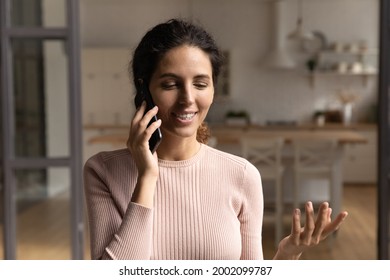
[[185, 117]]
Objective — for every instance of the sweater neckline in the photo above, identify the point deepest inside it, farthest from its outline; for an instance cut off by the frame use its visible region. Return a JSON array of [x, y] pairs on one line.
[[183, 163]]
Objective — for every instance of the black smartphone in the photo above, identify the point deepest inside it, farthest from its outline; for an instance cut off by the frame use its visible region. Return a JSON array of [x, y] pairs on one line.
[[156, 137]]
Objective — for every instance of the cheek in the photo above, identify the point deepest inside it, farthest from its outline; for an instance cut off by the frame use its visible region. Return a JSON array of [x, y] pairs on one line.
[[206, 101], [164, 106]]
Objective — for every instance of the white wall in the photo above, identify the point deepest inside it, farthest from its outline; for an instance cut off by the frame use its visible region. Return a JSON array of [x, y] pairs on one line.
[[244, 27]]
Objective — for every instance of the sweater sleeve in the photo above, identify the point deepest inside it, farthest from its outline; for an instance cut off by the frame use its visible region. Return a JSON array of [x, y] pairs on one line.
[[251, 214], [114, 235]]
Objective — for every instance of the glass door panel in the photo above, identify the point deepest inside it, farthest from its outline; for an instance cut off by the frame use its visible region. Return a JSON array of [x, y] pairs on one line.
[[38, 13], [41, 98], [43, 214]]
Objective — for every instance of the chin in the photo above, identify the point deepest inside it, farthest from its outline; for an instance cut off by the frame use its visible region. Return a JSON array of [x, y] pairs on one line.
[[181, 132]]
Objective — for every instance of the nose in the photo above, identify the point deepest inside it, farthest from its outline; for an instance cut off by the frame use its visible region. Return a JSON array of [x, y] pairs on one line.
[[186, 96]]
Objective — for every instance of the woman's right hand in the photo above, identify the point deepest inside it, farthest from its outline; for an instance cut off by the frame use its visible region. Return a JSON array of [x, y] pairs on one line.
[[138, 141], [147, 163]]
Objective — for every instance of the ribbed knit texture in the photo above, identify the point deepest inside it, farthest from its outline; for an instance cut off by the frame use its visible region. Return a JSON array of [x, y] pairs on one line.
[[207, 207]]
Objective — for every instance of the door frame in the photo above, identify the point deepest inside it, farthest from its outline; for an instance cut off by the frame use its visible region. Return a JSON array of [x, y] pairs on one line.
[[384, 132], [70, 35]]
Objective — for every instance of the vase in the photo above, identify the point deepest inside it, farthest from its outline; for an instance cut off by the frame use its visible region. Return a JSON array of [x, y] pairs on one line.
[[347, 113]]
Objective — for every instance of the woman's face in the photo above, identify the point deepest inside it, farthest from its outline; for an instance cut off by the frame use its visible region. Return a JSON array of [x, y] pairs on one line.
[[182, 88]]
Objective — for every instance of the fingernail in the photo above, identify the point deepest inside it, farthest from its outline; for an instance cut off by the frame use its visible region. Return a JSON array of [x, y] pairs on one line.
[[326, 204], [297, 211]]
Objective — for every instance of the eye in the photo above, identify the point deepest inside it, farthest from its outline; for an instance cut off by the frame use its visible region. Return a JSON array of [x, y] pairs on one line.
[[169, 85], [201, 85]]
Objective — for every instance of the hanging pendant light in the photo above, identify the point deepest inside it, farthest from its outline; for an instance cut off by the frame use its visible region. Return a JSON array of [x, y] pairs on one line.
[[298, 33]]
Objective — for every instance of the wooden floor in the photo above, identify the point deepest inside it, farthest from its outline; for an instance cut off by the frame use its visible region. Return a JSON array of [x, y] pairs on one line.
[[43, 230], [356, 239]]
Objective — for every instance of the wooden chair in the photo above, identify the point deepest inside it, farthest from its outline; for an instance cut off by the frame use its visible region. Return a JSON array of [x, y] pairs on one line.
[[265, 154]]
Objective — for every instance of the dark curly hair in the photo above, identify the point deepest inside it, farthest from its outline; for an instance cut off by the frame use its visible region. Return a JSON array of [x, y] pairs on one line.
[[164, 37]]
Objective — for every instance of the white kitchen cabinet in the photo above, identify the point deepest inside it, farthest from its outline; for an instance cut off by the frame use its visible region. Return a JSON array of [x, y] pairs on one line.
[[106, 87], [360, 160]]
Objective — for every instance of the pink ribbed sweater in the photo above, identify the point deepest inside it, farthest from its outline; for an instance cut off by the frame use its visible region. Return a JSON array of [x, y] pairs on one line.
[[206, 207]]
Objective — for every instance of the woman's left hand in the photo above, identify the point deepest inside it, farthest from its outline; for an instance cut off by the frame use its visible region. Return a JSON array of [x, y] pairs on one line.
[[314, 231]]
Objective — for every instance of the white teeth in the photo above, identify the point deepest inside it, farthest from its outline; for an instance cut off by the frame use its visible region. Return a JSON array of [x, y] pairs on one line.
[[185, 116]]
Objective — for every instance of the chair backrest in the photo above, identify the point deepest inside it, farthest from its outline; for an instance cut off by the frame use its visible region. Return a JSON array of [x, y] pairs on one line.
[[314, 152], [264, 153]]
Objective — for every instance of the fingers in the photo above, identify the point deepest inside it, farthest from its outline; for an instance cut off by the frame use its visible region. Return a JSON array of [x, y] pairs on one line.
[[296, 227], [147, 117], [333, 226], [323, 224], [140, 132], [133, 125], [139, 112], [309, 224], [142, 118], [314, 230], [146, 127], [323, 218]]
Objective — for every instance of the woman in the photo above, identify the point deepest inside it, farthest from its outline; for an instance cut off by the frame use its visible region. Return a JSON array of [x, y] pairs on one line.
[[187, 200]]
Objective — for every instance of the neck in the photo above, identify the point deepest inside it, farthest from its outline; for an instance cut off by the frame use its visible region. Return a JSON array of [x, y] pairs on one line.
[[176, 149]]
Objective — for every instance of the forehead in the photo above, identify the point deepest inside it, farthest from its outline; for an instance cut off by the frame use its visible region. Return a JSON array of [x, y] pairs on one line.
[[185, 58]]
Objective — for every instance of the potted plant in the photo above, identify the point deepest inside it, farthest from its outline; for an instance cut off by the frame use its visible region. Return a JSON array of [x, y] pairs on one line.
[[237, 117], [319, 117]]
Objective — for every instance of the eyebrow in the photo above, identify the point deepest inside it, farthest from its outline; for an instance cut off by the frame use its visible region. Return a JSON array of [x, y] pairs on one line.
[[172, 75]]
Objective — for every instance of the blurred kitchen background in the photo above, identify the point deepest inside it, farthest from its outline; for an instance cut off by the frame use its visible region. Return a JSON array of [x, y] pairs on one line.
[[291, 65]]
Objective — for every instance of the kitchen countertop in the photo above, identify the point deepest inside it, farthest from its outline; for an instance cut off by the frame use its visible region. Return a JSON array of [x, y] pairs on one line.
[[304, 126], [231, 133], [312, 126], [226, 134]]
